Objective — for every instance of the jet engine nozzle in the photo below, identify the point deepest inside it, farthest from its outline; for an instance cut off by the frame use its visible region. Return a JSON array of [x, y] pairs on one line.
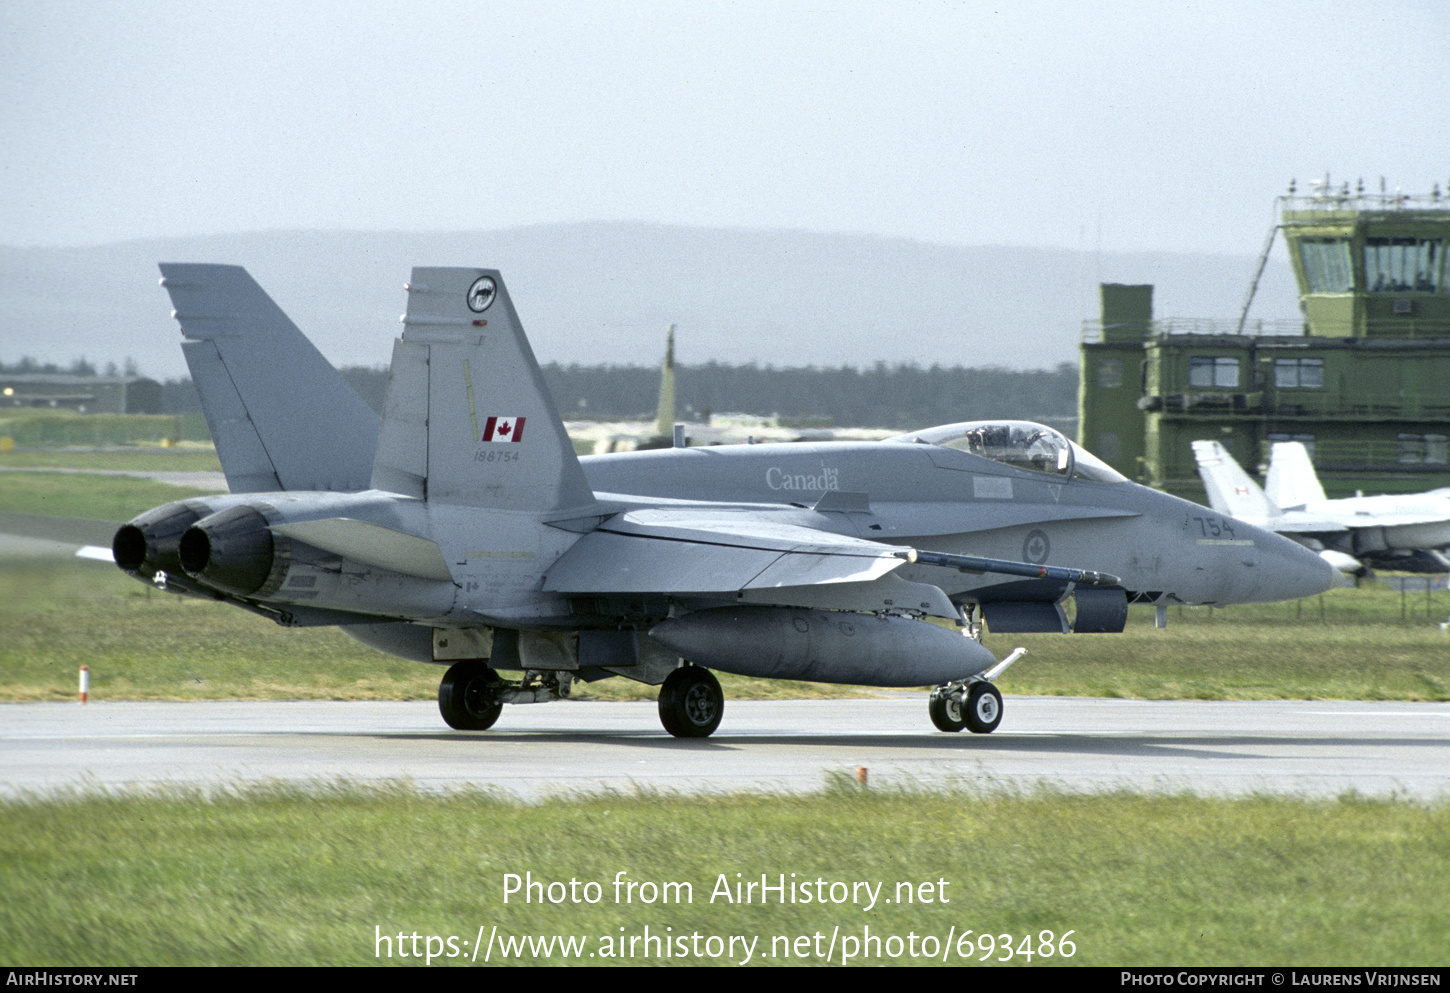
[[235, 552], [150, 543]]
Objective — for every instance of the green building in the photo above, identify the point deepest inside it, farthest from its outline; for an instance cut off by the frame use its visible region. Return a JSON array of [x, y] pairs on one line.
[[85, 394], [1363, 379]]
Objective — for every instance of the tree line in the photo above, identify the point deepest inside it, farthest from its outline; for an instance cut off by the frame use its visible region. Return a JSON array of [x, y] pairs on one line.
[[883, 396]]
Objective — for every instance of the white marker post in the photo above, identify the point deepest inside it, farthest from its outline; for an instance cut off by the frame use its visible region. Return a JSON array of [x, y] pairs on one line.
[[85, 682]]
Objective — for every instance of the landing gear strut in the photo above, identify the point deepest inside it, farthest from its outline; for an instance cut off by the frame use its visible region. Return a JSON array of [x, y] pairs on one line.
[[691, 702], [470, 696]]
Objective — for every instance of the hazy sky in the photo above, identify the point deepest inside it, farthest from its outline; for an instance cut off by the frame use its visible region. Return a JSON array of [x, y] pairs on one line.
[[1095, 125]]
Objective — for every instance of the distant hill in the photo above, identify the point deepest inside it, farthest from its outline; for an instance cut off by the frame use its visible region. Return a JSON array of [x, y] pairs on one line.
[[603, 293]]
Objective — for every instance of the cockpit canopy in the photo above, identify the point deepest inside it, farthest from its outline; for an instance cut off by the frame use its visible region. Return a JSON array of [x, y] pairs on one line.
[[1020, 444]]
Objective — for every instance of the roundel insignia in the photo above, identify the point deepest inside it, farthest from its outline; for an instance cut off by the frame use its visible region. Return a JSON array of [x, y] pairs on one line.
[[481, 294], [1036, 547]]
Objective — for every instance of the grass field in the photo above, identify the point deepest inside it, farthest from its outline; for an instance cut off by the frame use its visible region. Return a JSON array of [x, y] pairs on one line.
[[57, 428], [287, 876], [97, 498], [186, 457]]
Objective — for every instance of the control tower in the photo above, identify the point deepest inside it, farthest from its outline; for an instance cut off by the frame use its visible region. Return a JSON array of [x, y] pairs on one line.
[[1363, 379]]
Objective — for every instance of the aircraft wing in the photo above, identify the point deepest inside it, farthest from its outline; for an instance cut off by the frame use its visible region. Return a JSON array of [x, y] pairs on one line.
[[758, 560], [1301, 522], [701, 552]]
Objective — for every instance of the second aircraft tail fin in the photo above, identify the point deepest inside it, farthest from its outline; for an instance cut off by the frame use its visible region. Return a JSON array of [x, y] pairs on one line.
[[1292, 482], [1230, 490]]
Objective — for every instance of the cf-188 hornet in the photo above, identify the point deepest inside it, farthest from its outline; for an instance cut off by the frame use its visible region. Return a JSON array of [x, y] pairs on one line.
[[461, 528], [1405, 531]]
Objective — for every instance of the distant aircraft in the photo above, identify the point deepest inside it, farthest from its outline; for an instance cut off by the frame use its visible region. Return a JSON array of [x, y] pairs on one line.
[[1407, 533], [462, 529]]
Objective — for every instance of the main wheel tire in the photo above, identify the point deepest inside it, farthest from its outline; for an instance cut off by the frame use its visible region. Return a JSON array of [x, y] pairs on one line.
[[468, 697], [946, 712], [691, 702], [984, 708]]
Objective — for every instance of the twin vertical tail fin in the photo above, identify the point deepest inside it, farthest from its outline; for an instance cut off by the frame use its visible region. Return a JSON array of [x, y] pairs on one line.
[[468, 419], [1292, 482], [1230, 490], [281, 416]]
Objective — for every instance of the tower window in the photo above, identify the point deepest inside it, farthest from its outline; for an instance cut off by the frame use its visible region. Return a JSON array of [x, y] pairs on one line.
[[1404, 265], [1304, 374], [1326, 265], [1210, 371]]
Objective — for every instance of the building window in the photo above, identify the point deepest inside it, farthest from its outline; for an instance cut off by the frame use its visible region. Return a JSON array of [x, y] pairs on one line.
[[1404, 265], [1110, 373], [1326, 264], [1204, 370], [1303, 374], [1424, 449]]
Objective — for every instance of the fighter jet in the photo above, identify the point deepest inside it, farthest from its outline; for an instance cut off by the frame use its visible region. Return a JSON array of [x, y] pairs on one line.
[[461, 529], [1406, 532]]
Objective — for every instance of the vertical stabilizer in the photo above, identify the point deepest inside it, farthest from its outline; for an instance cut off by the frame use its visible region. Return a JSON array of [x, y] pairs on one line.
[[1230, 490], [280, 414], [1292, 482], [665, 412], [468, 419]]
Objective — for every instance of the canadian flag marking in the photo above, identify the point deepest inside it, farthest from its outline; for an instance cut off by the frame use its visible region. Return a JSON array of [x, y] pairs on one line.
[[503, 429]]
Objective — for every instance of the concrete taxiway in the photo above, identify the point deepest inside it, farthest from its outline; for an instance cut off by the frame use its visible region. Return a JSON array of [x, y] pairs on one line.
[[1305, 748]]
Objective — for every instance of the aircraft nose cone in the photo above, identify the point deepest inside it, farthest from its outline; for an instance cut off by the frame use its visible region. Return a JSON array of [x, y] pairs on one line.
[[1289, 571]]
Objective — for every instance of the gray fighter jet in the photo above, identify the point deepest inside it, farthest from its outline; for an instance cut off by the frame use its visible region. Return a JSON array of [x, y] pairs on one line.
[[462, 529]]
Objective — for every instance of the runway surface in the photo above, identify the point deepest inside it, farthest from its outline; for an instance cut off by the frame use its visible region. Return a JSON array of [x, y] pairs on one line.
[[1214, 748]]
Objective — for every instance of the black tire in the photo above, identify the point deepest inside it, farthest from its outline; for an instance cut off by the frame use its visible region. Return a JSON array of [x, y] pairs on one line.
[[691, 702], [946, 713], [468, 697], [984, 708]]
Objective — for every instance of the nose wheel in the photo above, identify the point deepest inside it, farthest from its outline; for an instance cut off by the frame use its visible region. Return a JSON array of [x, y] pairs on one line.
[[983, 711], [976, 707]]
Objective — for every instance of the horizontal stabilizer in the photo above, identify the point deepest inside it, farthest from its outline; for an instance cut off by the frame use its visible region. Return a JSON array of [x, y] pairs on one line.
[[372, 545]]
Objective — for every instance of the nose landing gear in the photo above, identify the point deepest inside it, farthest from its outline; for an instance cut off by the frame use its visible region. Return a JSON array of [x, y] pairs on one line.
[[973, 704]]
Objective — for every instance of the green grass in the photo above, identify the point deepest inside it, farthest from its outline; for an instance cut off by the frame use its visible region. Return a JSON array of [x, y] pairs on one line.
[[97, 498], [188, 457], [66, 427], [1361, 651], [294, 876]]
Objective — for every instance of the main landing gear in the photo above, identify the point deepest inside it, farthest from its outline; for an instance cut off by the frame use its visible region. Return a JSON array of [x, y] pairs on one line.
[[471, 696], [691, 702]]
